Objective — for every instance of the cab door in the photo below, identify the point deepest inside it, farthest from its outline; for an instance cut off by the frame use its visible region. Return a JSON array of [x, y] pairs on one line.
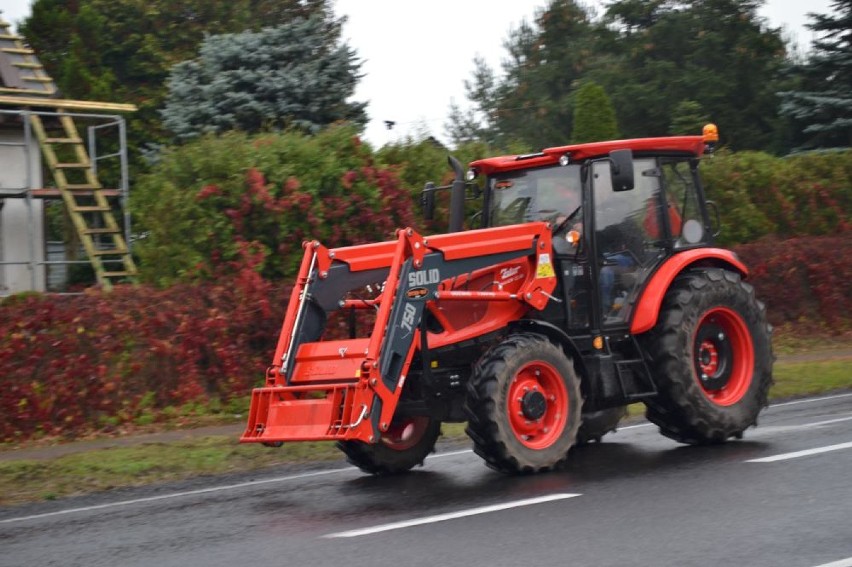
[[629, 237]]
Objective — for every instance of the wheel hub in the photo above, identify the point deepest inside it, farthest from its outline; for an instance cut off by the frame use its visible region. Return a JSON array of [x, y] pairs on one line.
[[537, 405], [708, 358], [713, 355], [533, 404]]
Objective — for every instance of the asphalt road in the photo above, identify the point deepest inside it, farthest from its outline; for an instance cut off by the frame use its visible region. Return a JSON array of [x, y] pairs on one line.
[[781, 497]]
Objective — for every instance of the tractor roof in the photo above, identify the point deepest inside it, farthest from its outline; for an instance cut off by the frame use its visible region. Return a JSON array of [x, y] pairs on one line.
[[688, 145]]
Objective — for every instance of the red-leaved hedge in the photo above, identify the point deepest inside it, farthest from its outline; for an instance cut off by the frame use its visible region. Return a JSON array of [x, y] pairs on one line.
[[805, 279], [72, 364], [75, 363]]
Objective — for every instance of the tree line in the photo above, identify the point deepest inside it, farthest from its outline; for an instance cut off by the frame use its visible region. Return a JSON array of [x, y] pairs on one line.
[[667, 66], [177, 60], [663, 66]]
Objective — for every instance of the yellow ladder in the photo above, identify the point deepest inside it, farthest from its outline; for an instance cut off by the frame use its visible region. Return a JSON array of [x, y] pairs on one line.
[[86, 201], [26, 75]]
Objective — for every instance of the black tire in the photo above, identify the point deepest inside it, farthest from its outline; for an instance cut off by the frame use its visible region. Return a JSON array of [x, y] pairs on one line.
[[596, 424], [392, 454], [711, 356], [523, 405]]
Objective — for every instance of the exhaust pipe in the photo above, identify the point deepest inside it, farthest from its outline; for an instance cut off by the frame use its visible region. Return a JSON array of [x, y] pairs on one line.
[[457, 192]]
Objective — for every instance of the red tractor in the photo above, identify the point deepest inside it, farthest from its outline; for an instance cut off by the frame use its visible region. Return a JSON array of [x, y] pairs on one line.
[[592, 284]]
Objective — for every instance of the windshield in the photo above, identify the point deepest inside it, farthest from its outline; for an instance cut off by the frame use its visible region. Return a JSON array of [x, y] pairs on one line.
[[543, 194]]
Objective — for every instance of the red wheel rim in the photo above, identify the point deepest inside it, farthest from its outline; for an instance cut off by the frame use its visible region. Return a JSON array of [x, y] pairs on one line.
[[405, 433], [724, 356], [538, 405]]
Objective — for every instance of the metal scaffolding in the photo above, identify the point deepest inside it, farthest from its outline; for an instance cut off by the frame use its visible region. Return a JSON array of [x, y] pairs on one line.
[[18, 126]]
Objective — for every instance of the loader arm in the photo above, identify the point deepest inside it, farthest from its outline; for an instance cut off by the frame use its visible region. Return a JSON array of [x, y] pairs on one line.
[[349, 389]]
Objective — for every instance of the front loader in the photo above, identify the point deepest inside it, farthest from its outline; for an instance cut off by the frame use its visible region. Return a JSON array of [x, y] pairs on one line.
[[591, 284]]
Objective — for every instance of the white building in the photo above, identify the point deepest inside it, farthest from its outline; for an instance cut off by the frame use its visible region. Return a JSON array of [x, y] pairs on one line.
[[22, 247]]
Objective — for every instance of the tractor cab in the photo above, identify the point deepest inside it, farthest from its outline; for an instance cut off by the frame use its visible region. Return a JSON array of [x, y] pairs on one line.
[[617, 213]]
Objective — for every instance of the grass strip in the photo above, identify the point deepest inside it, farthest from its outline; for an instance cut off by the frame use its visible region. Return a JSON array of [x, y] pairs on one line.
[[796, 379], [104, 469]]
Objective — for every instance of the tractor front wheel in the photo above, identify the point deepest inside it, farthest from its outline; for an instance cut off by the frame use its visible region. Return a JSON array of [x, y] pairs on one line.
[[404, 445], [711, 355], [523, 405]]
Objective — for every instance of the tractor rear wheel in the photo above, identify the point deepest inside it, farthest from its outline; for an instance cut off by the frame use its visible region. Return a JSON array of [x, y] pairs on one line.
[[404, 445], [711, 355], [523, 405], [596, 424]]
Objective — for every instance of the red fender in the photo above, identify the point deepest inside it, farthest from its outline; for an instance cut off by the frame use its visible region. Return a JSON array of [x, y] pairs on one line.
[[648, 307]]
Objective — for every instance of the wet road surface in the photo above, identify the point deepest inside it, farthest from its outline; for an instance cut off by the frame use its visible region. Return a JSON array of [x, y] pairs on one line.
[[781, 497]]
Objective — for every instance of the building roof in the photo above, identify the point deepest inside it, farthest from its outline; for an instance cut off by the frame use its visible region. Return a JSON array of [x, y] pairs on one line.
[[25, 83], [21, 73]]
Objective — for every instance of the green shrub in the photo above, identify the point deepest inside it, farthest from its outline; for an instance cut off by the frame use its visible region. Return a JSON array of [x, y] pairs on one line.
[[759, 194], [419, 162], [214, 204]]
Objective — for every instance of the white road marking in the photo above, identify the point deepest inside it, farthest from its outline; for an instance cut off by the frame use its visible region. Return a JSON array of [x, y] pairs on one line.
[[450, 454], [842, 563], [635, 426], [765, 430], [782, 404], [826, 422], [809, 400], [805, 453], [450, 516]]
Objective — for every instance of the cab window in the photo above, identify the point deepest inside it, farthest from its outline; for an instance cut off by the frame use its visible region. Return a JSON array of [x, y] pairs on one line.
[[686, 220], [543, 194]]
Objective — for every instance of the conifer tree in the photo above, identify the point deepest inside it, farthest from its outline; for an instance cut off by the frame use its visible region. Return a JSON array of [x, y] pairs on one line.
[[688, 118], [822, 107], [594, 116], [123, 50], [279, 78]]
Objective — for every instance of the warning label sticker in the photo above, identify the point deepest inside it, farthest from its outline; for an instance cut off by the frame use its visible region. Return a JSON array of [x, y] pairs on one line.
[[545, 267]]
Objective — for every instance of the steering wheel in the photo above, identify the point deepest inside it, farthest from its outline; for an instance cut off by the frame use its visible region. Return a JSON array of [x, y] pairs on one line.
[[561, 226], [547, 215]]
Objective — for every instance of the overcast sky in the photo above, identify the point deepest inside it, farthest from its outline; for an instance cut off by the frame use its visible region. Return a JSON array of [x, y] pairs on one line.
[[416, 54]]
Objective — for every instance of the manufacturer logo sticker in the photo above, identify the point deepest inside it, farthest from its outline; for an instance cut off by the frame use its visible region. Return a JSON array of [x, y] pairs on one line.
[[507, 273], [424, 277], [417, 293]]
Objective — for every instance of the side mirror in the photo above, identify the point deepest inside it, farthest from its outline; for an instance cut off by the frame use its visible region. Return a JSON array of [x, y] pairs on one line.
[[621, 170], [427, 201]]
